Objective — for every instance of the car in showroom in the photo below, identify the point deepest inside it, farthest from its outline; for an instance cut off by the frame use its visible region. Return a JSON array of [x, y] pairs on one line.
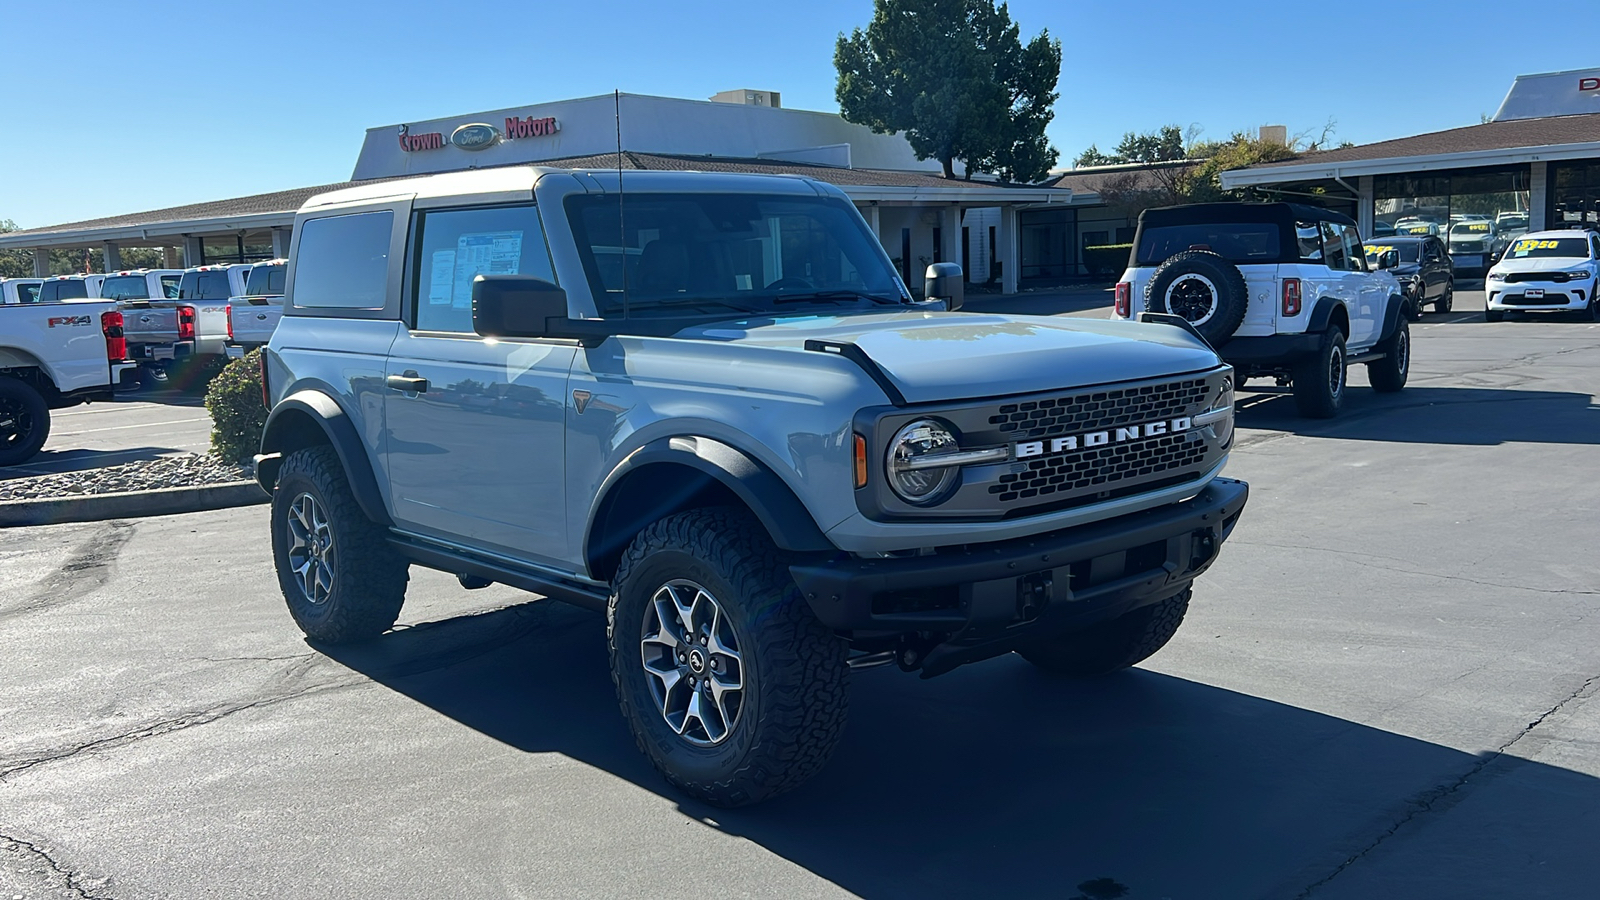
[[1474, 244], [1547, 271], [1425, 272], [1416, 226]]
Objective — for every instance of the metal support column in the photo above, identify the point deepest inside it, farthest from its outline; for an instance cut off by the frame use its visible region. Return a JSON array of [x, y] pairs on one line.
[[41, 263], [192, 252], [1539, 196], [113, 256], [1009, 249], [169, 258], [280, 242], [950, 234], [1365, 200]]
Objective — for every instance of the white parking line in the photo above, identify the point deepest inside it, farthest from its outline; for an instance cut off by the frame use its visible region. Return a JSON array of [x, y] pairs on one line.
[[135, 425]]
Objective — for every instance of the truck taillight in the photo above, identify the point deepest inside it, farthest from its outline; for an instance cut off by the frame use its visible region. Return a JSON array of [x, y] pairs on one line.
[[266, 393], [116, 339], [1124, 305], [1291, 296], [230, 321], [185, 323]]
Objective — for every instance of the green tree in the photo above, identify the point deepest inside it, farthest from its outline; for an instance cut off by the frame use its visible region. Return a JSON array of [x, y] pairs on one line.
[[1165, 144], [955, 76], [14, 263], [1203, 183]]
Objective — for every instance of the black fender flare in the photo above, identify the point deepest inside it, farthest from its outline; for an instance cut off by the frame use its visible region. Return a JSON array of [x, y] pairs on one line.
[[758, 487], [284, 433], [1322, 314], [1391, 316]]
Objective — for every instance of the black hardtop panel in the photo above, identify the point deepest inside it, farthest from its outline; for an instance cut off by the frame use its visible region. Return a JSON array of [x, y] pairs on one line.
[[1207, 213]]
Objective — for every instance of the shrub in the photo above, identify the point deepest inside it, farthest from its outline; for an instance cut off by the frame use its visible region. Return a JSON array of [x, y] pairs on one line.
[[1106, 259], [237, 416]]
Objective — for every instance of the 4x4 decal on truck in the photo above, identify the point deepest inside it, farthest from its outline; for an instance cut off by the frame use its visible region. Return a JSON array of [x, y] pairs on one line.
[[70, 321]]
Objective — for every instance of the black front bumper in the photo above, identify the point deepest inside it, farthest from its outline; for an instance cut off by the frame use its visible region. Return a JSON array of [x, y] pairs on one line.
[[987, 599]]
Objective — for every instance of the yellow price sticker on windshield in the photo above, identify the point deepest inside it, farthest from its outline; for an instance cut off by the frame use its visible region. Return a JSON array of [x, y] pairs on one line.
[[1535, 245], [1478, 226], [1374, 251], [1417, 229]]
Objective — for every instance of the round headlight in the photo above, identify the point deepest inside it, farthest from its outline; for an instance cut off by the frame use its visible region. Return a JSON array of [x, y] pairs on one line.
[[914, 472]]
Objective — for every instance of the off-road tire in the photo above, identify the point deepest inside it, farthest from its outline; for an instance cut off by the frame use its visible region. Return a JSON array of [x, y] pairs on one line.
[[1388, 375], [1115, 645], [795, 669], [1592, 312], [1230, 293], [27, 421], [1447, 299], [154, 375], [369, 575], [1314, 393]]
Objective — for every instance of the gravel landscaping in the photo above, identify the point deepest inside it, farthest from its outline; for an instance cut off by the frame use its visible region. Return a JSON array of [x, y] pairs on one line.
[[144, 475]]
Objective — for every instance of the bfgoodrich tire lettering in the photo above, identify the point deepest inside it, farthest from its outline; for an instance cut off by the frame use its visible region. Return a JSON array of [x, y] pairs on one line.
[[1111, 646], [24, 421], [364, 583], [794, 676]]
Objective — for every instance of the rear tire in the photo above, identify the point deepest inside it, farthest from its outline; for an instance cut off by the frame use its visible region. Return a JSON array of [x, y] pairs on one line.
[[341, 579], [1388, 375], [1447, 299], [1593, 311], [24, 421], [761, 707], [1319, 379], [1115, 645], [1492, 315]]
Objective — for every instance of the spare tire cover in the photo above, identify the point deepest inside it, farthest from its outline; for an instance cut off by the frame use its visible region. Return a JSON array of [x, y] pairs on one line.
[[1202, 287]]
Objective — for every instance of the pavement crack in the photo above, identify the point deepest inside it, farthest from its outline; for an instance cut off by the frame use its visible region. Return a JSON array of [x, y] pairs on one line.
[[1445, 795], [87, 570], [170, 725], [1366, 560], [76, 883]]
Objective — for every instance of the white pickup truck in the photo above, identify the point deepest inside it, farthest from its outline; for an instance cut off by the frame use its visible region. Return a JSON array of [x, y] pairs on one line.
[[255, 315], [19, 290], [54, 355]]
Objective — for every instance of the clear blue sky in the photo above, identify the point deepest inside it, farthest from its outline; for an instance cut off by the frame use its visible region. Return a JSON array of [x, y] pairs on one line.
[[110, 108]]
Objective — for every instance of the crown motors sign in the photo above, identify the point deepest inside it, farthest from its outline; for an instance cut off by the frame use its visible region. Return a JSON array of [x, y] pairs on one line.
[[1589, 84], [477, 135]]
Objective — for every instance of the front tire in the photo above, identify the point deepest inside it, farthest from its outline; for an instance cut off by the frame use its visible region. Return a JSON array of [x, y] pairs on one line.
[[341, 579], [1447, 299], [24, 421], [731, 686], [1388, 375], [1593, 310], [1319, 380], [1492, 315], [1115, 645]]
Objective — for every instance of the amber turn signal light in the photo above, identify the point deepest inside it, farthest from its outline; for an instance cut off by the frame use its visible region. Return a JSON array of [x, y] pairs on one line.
[[861, 461]]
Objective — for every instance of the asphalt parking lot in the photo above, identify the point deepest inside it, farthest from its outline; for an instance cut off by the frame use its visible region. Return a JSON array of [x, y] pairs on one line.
[[136, 425], [1385, 688]]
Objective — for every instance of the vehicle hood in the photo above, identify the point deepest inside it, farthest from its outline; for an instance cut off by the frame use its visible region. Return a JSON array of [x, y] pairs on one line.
[[1541, 264], [940, 356]]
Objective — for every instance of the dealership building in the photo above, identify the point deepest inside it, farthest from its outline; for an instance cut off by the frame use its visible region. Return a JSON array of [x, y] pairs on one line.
[[1535, 164], [920, 216]]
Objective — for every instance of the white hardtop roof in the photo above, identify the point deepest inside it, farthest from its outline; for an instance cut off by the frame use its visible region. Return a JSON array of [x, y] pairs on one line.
[[521, 179]]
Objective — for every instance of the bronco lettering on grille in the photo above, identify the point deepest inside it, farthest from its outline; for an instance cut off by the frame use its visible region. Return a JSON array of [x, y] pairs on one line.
[[1068, 443]]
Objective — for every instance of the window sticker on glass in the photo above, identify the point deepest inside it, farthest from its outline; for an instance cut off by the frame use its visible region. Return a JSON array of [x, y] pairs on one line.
[[443, 278], [485, 253]]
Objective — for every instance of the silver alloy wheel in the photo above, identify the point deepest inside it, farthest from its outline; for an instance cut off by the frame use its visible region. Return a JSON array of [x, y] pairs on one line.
[[1194, 297], [312, 552], [692, 659], [1336, 372]]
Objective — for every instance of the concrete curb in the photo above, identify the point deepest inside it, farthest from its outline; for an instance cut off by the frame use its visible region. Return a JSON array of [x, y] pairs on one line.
[[130, 505]]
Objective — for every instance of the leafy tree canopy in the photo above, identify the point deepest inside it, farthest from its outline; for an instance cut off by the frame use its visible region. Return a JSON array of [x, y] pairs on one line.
[[955, 76]]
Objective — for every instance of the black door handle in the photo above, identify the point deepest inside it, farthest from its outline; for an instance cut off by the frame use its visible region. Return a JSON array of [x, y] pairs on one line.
[[410, 384]]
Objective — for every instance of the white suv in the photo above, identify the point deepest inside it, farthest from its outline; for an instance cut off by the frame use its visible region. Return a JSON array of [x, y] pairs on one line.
[[1282, 290], [1547, 271]]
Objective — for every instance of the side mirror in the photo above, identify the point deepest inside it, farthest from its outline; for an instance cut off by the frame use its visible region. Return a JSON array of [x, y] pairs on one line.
[[943, 281], [1388, 259], [516, 305]]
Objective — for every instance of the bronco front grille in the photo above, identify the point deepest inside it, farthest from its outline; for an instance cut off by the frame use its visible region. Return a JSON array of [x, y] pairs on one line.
[[1091, 411], [1103, 468]]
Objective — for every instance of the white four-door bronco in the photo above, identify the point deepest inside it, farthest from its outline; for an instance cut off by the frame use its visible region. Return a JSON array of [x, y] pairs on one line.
[[1282, 290], [710, 409], [1549, 271]]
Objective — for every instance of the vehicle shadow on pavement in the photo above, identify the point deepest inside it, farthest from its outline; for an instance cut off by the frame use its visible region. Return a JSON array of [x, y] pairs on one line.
[[997, 780], [1433, 415], [53, 462]]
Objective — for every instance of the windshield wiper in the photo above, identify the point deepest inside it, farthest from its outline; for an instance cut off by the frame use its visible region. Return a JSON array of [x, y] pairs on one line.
[[838, 295], [700, 301]]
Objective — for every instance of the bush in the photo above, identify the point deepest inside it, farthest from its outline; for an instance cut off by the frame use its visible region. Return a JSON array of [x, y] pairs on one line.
[[237, 416], [1106, 259]]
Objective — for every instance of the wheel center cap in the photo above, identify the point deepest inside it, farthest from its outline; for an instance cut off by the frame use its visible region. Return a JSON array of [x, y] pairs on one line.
[[697, 661]]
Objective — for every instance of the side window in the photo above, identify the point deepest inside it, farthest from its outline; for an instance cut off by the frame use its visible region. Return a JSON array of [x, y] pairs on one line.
[[1334, 250], [343, 261], [1309, 237], [1594, 239], [170, 285], [454, 246]]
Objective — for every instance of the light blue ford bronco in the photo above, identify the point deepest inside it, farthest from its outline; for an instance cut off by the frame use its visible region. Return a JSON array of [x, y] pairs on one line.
[[706, 405]]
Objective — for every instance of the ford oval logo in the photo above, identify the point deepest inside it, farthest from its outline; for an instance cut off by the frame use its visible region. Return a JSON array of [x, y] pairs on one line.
[[476, 136]]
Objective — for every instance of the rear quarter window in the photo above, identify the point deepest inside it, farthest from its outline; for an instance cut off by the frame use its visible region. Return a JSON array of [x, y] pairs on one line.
[[342, 262], [126, 287], [1239, 242]]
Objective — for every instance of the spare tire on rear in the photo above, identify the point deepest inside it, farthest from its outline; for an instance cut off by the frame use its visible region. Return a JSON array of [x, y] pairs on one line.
[[1202, 287]]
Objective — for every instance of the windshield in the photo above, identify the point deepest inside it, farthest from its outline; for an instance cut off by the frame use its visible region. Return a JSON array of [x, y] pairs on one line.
[[125, 287], [1545, 248], [1409, 252], [1470, 229], [266, 281], [1239, 242], [710, 253]]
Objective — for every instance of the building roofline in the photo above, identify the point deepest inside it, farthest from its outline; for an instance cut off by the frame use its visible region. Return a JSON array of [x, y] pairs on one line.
[[1313, 170]]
